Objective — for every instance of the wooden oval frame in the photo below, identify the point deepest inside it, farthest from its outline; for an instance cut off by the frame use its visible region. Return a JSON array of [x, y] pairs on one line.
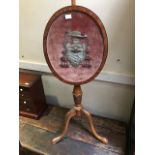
[[102, 31]]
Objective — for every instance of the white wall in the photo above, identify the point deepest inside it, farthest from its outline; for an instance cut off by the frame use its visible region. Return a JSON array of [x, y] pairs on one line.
[[112, 95], [101, 98]]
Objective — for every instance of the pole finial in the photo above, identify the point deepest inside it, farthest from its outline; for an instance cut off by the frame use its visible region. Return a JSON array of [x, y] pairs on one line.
[[73, 2]]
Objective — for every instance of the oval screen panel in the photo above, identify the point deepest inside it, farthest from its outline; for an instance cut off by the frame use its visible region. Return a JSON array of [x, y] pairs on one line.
[[75, 45]]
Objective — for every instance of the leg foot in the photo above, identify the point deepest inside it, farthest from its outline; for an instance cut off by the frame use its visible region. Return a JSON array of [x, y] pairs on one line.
[[68, 117], [93, 130]]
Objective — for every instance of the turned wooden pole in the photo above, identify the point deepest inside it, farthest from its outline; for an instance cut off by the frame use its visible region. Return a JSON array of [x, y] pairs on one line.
[[73, 2], [77, 96]]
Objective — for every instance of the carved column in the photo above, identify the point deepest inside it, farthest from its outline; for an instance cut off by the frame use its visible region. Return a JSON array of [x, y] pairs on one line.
[[77, 96]]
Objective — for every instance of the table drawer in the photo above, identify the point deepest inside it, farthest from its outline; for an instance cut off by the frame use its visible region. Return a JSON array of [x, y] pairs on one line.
[[31, 95], [26, 105], [24, 92]]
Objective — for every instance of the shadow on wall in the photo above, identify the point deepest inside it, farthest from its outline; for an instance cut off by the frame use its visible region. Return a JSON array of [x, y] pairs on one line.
[[52, 100], [122, 22]]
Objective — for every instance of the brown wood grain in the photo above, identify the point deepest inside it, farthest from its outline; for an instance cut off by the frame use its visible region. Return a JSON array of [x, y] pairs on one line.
[[53, 119], [27, 79], [38, 140], [73, 2], [31, 95]]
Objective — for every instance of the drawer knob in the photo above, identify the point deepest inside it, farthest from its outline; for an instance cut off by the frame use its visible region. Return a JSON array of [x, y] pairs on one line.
[[27, 109], [21, 89], [26, 83], [25, 102]]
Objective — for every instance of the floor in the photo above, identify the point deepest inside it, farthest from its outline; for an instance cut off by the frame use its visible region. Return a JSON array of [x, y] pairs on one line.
[[36, 135]]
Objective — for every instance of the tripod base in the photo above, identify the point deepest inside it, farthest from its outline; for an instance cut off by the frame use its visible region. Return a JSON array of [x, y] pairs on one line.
[[77, 110], [73, 112]]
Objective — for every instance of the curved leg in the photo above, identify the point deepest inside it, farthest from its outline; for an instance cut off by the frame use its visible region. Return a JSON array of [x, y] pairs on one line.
[[68, 117], [93, 130]]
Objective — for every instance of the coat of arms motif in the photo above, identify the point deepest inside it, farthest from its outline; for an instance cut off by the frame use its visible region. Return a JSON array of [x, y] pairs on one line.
[[75, 51]]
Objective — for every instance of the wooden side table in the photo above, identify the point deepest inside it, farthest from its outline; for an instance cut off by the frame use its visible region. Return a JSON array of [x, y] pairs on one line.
[[31, 95]]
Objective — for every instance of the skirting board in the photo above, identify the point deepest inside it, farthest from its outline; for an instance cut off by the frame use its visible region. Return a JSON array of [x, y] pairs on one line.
[[103, 76]]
